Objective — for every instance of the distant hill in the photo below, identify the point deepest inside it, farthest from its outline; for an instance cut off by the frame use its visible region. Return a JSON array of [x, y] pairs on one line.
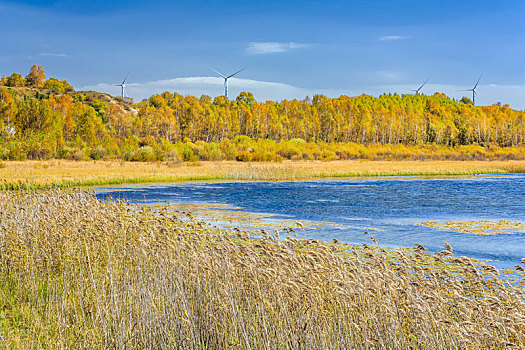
[[90, 96]]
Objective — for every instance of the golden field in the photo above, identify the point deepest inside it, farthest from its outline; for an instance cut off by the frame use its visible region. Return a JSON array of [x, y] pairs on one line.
[[76, 272], [15, 174]]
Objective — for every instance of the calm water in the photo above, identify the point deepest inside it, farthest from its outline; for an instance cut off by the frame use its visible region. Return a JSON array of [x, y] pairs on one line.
[[387, 208]]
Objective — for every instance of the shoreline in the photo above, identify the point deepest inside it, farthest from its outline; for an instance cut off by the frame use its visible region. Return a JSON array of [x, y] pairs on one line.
[[65, 173]]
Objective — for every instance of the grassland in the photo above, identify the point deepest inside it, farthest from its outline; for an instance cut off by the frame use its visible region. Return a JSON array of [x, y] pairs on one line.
[[76, 272], [62, 172]]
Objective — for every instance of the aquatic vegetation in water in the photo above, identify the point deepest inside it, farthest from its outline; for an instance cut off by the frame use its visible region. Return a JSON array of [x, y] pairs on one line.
[[480, 227], [227, 216]]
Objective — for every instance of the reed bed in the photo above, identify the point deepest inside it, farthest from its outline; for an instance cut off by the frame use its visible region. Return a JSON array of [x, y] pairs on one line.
[[38, 174], [77, 272]]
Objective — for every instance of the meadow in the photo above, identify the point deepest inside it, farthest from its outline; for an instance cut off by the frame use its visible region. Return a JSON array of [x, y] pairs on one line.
[[38, 174], [77, 272]]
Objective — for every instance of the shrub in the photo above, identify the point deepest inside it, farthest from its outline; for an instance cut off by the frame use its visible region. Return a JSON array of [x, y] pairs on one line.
[[244, 156], [229, 149], [186, 151], [242, 140], [328, 155], [173, 159], [79, 97], [36, 147], [147, 141], [143, 154], [16, 151], [290, 149], [78, 155], [98, 152], [4, 154], [215, 153]]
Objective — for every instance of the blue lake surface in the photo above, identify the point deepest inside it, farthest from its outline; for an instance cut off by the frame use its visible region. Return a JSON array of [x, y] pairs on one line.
[[387, 208]]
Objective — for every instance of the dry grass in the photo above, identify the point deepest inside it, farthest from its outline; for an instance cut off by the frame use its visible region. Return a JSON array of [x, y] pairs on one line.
[[80, 273], [60, 172]]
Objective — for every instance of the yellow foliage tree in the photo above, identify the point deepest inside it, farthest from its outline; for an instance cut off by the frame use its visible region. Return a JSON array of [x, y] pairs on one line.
[[36, 76]]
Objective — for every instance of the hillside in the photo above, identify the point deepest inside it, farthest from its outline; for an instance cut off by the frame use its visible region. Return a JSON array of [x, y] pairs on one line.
[[21, 92]]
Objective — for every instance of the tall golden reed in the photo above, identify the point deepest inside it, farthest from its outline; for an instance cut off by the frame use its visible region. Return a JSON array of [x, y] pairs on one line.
[[76, 272]]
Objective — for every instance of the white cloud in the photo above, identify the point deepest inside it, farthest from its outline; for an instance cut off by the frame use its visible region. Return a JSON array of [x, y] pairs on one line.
[[197, 86], [213, 86], [261, 48], [53, 54], [392, 37]]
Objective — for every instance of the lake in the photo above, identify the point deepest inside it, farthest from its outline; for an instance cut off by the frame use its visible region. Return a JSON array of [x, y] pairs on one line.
[[389, 209]]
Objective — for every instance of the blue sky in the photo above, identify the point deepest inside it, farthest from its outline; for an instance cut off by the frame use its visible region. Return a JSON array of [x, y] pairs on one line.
[[290, 49]]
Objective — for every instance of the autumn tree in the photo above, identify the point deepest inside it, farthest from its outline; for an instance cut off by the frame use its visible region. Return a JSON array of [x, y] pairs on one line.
[[58, 123], [15, 80], [56, 85], [36, 76], [33, 115], [246, 98], [8, 110]]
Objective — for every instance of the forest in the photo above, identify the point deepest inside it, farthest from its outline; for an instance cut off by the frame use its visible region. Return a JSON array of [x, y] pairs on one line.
[[43, 118]]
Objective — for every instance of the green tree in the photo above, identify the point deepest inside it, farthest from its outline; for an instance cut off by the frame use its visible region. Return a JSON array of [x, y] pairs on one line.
[[466, 100], [15, 80], [246, 98], [56, 85]]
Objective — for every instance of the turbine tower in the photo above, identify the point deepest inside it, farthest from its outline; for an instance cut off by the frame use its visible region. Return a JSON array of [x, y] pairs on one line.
[[417, 90], [123, 86], [226, 79], [474, 91]]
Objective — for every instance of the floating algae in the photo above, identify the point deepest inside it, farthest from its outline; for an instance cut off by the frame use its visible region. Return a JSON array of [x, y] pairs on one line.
[[482, 227]]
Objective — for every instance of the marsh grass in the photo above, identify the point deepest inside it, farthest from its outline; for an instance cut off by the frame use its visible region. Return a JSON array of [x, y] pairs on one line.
[[76, 272], [478, 227], [39, 174]]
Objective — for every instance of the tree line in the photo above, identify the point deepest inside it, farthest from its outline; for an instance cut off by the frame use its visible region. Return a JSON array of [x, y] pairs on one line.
[[42, 118]]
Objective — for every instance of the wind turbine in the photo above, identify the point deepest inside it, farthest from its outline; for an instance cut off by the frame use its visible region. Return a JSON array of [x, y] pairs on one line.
[[474, 91], [417, 90], [123, 86], [226, 79]]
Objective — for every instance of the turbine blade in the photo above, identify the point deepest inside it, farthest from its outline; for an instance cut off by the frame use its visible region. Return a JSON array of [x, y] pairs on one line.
[[216, 71], [235, 73], [423, 85], [475, 86], [126, 78]]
